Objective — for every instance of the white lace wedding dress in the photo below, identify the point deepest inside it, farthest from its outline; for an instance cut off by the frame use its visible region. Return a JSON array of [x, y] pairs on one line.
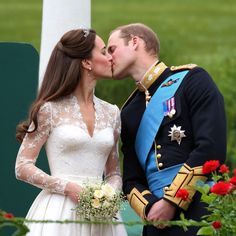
[[73, 156]]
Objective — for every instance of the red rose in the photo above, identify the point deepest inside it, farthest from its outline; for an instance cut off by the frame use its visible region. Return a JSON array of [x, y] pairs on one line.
[[234, 171], [224, 169], [183, 194], [8, 215], [221, 188], [216, 224], [210, 166], [233, 180]]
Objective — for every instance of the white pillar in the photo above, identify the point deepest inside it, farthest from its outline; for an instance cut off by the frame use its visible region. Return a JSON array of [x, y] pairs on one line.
[[59, 16]]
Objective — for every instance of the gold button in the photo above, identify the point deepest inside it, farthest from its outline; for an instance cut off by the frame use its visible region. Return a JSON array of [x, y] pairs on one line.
[[160, 164], [158, 146], [158, 155]]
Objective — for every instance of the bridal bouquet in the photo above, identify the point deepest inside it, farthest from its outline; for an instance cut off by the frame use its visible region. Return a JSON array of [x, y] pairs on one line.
[[99, 202], [221, 201]]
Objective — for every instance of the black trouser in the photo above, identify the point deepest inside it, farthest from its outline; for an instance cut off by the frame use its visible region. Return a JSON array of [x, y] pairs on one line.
[[195, 211]]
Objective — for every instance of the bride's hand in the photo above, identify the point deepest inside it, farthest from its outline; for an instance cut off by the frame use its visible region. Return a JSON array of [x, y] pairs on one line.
[[72, 190]]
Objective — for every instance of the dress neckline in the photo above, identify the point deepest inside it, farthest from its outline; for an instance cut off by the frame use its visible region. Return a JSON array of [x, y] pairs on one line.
[[95, 104]]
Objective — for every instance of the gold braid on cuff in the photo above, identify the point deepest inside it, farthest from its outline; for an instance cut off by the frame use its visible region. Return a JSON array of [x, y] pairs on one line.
[[186, 179], [138, 202]]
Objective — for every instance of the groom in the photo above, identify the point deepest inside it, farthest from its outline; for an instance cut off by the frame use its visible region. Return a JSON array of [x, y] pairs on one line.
[[171, 125]]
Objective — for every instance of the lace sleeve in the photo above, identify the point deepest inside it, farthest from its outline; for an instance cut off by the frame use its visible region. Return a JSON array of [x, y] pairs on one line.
[[25, 168], [112, 168]]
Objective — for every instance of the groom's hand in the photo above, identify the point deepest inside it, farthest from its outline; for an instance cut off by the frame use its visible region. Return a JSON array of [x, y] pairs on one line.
[[161, 210]]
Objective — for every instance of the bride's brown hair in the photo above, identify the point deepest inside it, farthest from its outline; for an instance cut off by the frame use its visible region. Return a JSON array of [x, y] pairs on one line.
[[62, 74]]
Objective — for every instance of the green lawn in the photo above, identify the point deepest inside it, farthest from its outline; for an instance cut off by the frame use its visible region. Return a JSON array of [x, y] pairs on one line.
[[196, 31]]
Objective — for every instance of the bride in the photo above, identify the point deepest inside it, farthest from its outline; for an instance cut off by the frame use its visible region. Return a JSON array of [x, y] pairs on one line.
[[80, 133]]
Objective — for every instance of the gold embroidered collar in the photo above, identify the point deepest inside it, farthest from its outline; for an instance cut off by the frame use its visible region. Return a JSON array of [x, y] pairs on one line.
[[151, 76]]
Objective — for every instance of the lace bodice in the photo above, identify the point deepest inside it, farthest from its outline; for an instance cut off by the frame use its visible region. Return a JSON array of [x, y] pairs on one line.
[[73, 155]]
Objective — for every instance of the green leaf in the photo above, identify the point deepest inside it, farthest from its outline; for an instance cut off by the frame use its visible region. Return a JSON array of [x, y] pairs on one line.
[[206, 230], [182, 216], [216, 178], [208, 198]]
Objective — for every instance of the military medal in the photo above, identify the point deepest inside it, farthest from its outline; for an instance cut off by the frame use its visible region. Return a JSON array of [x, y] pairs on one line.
[[172, 110], [169, 107], [176, 134]]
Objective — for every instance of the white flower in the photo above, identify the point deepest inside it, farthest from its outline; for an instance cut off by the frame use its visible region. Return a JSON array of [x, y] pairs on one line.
[[95, 203], [108, 190], [106, 204], [98, 193], [98, 201]]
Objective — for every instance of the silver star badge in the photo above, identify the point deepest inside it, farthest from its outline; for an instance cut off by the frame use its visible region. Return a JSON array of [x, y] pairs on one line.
[[176, 134]]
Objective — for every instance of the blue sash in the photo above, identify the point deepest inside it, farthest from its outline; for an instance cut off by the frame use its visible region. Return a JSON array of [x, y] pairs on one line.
[[159, 179], [153, 117], [148, 128]]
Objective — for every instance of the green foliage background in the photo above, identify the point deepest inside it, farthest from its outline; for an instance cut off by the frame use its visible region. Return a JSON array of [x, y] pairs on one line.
[[190, 31]]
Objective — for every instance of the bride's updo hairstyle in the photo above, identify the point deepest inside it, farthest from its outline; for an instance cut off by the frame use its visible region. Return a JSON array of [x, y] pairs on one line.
[[62, 74]]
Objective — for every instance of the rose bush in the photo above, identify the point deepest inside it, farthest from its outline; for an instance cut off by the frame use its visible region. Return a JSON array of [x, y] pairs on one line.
[[221, 200]]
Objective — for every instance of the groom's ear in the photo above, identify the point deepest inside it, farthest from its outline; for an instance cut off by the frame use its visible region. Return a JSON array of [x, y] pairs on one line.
[[135, 42], [87, 64]]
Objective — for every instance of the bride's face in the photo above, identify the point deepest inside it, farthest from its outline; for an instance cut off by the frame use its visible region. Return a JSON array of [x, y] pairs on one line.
[[101, 60]]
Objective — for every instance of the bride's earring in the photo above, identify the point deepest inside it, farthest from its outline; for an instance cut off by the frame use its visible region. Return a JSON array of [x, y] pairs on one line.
[[89, 71]]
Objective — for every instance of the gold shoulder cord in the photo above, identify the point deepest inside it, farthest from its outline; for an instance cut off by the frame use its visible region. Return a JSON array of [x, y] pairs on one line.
[[183, 67]]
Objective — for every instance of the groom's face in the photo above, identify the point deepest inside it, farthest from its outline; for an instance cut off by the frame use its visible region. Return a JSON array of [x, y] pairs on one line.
[[122, 55]]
